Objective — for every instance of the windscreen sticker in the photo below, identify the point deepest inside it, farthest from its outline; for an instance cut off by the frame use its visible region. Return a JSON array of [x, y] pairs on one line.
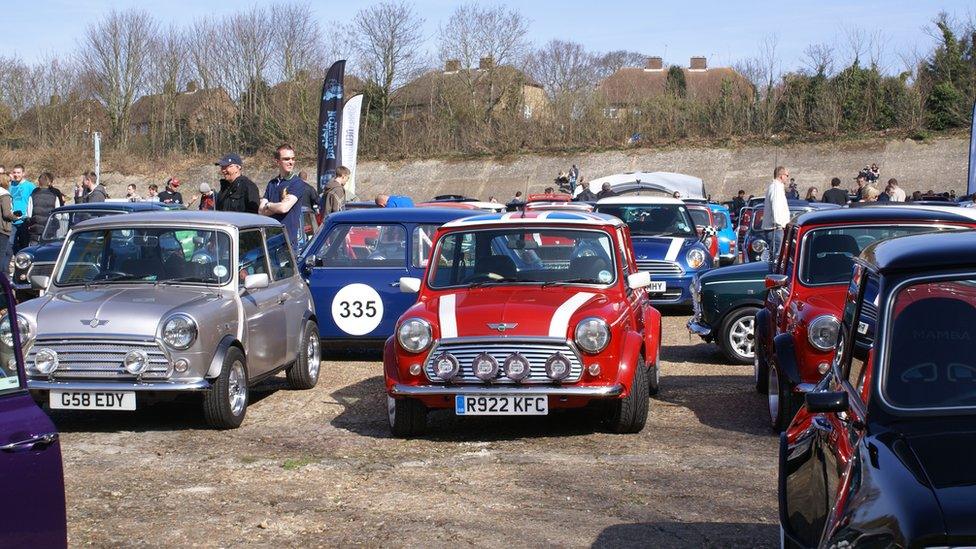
[[220, 271], [357, 309], [604, 277]]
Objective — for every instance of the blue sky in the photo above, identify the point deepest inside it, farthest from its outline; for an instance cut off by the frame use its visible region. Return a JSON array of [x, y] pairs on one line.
[[724, 31]]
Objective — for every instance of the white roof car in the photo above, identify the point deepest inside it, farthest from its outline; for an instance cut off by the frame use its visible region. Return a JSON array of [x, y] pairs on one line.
[[640, 200]]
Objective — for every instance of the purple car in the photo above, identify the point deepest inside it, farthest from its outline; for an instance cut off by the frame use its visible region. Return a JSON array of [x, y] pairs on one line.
[[30, 455]]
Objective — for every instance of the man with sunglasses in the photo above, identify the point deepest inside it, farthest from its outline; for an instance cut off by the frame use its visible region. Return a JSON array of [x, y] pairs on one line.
[[237, 192], [282, 195]]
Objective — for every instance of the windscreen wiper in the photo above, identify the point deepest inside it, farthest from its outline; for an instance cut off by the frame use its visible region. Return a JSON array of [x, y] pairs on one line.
[[570, 281]]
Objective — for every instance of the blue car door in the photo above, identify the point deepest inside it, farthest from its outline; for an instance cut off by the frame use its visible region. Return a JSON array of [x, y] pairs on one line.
[[356, 280], [30, 455]]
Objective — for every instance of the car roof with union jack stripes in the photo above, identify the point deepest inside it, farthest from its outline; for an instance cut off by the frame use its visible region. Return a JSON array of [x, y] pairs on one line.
[[538, 217]]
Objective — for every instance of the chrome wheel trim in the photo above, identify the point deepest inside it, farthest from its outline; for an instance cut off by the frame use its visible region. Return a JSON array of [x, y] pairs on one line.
[[313, 356], [237, 389], [741, 336], [773, 394], [391, 409]]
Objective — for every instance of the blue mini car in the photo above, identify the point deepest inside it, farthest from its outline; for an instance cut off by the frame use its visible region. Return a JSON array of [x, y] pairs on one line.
[[728, 244], [665, 242], [354, 264], [38, 259]]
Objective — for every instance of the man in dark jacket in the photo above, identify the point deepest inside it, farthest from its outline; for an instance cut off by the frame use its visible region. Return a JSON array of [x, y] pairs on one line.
[[334, 196], [606, 191], [42, 202], [237, 192], [171, 195], [93, 191], [835, 195]]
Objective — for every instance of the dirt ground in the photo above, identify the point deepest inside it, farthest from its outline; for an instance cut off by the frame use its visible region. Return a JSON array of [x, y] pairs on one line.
[[319, 468]]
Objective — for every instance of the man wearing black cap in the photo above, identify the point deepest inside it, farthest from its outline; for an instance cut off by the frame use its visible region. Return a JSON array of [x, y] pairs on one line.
[[237, 192]]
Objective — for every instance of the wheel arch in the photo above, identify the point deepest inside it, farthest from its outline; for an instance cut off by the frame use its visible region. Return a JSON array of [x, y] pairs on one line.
[[217, 362]]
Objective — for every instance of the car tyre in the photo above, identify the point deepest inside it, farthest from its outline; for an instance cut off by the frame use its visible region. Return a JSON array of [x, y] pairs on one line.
[[780, 400], [304, 373], [737, 336], [225, 404], [629, 414], [408, 417], [654, 379]]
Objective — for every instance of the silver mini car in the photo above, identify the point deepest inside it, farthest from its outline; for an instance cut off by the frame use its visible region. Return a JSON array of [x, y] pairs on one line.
[[159, 303]]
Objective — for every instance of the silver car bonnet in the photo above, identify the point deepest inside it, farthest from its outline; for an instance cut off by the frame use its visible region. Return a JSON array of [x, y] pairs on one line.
[[106, 310]]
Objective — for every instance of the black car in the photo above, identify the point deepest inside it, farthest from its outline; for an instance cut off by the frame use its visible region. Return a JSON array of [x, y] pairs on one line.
[[882, 452], [756, 240], [38, 260]]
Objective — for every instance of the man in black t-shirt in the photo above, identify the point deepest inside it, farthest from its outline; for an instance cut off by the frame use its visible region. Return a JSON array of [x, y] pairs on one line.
[[171, 195], [835, 195]]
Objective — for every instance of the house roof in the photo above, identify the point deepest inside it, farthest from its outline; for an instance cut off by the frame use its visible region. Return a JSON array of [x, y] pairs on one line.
[[431, 84], [145, 108], [353, 85], [633, 85]]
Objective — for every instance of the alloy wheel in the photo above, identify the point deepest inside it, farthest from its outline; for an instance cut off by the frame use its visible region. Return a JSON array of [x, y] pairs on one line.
[[742, 337], [237, 389]]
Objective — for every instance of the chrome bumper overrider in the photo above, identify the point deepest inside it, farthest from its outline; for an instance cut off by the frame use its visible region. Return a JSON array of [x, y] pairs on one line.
[[45, 385], [699, 329], [434, 390]]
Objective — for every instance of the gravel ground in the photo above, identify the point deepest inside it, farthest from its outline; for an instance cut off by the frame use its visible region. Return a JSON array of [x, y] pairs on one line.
[[319, 468]]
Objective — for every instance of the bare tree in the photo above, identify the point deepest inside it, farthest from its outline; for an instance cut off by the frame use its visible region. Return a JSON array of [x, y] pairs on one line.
[[475, 31], [818, 59], [115, 52], [298, 43], [613, 61], [563, 68], [388, 38]]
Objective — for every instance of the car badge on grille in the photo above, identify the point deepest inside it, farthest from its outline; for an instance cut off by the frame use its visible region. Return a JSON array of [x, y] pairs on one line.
[[502, 326], [94, 323]]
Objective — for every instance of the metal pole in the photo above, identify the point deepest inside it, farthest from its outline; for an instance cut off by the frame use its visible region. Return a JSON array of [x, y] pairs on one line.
[[97, 137]]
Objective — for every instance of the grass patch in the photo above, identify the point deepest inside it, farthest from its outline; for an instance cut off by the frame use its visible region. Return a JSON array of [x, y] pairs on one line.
[[297, 463]]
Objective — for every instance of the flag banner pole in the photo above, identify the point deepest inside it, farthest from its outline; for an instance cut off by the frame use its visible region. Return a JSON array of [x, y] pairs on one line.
[[351, 112], [329, 153]]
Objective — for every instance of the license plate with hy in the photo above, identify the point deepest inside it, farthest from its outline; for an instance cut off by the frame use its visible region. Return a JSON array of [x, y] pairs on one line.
[[657, 287], [92, 400], [501, 405]]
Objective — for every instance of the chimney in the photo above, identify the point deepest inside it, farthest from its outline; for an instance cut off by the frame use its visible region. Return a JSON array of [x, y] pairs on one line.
[[698, 64], [452, 65], [654, 64], [191, 86], [486, 63]]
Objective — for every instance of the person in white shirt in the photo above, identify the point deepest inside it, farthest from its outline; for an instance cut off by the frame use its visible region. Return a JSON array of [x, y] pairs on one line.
[[897, 193], [777, 213]]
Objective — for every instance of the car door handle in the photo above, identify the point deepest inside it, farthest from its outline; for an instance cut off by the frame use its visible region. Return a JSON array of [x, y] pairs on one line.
[[31, 443], [282, 299]]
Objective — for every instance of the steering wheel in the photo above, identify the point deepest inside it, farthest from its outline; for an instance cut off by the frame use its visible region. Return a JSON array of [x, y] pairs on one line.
[[105, 275]]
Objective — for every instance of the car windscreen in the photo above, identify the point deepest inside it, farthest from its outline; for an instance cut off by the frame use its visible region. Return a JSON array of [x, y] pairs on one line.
[[931, 350], [721, 220], [828, 254], [522, 255], [149, 255], [59, 223], [653, 219]]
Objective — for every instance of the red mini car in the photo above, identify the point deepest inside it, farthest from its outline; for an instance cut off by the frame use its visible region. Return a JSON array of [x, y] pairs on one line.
[[523, 313], [797, 329]]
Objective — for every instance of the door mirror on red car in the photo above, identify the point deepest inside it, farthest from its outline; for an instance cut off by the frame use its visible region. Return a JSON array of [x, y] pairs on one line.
[[776, 281], [640, 279], [827, 402]]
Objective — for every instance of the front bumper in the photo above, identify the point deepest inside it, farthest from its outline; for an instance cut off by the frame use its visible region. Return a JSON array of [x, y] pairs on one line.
[[678, 291], [80, 385], [604, 391]]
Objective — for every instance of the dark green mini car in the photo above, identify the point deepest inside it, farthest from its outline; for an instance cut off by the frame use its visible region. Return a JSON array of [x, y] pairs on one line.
[[725, 302]]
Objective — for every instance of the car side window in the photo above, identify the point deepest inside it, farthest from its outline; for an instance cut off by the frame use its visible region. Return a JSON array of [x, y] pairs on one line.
[[367, 246], [282, 264], [9, 375], [421, 241], [251, 254], [784, 265]]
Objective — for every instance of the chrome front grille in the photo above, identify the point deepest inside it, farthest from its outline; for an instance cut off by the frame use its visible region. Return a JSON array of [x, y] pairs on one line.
[[659, 267], [536, 350], [100, 358]]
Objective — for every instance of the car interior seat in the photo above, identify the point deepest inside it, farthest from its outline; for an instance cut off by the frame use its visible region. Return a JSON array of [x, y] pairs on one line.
[[931, 339], [587, 267], [831, 257]]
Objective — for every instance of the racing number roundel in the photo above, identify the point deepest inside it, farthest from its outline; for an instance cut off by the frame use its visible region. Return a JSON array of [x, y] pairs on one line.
[[357, 309]]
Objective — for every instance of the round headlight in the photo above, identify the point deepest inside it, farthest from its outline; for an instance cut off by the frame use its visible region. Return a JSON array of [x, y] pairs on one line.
[[557, 367], [415, 335], [695, 258], [823, 331], [446, 366], [517, 367], [6, 334], [179, 331], [136, 362], [45, 360], [758, 245], [485, 367], [592, 334], [23, 261]]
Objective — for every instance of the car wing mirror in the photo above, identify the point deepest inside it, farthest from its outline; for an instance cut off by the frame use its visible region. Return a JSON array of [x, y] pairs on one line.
[[39, 282], [256, 281], [409, 284], [776, 281], [640, 279], [827, 402]]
